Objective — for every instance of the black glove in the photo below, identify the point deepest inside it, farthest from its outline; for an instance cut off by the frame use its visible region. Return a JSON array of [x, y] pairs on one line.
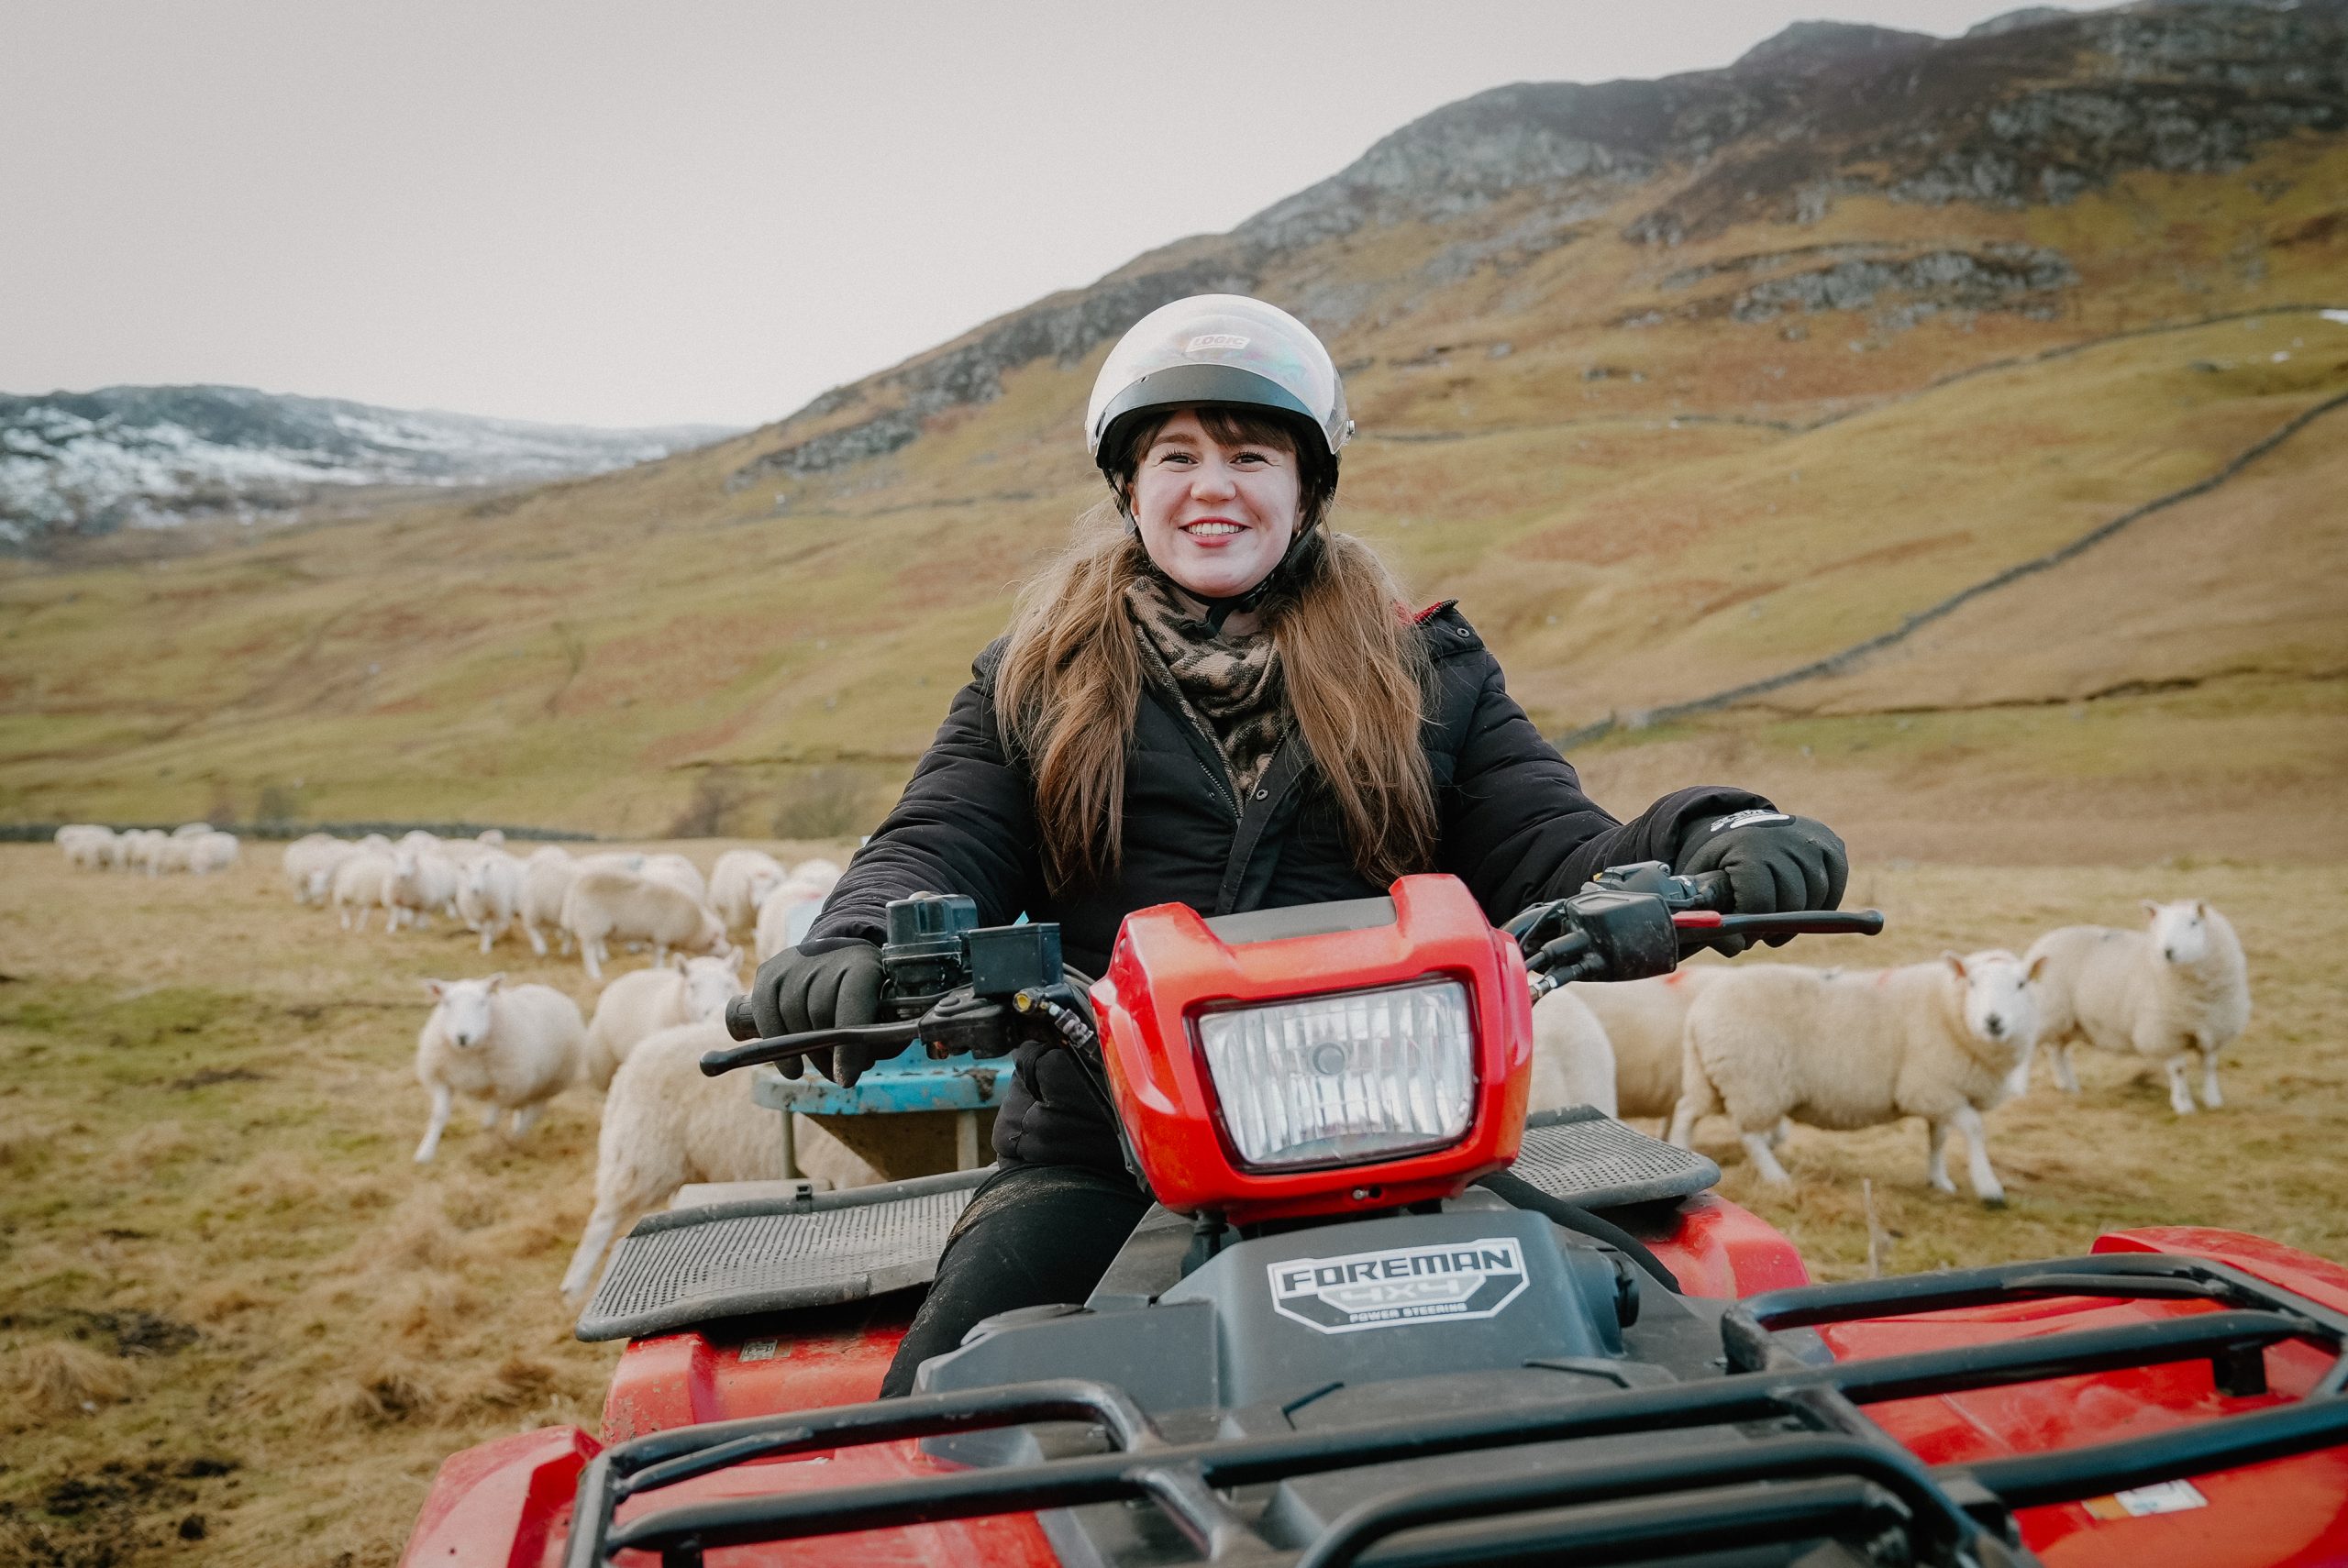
[[1773, 862], [795, 991]]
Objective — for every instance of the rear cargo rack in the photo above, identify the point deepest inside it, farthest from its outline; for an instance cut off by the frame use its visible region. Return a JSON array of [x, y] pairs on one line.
[[1840, 1471]]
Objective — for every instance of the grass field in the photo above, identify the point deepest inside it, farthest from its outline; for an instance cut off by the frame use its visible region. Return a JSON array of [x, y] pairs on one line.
[[238, 1324]]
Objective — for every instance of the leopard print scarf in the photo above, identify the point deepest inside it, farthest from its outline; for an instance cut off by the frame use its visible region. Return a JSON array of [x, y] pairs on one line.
[[1231, 685]]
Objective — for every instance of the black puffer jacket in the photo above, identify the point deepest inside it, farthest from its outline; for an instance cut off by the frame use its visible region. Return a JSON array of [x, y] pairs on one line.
[[1515, 826]]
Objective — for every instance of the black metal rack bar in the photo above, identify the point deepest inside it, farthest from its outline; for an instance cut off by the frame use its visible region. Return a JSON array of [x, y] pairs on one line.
[[1767, 1383]]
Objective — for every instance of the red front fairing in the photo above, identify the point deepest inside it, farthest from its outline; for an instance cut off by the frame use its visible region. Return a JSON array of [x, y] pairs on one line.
[[1167, 965]]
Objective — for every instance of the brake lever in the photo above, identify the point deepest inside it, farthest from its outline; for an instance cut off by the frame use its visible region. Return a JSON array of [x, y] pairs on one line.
[[781, 1047]]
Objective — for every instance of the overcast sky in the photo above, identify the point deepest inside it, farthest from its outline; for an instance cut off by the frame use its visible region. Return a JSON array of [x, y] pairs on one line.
[[651, 214]]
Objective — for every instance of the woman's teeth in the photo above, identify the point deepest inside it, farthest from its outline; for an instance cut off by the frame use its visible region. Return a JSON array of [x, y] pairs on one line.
[[1199, 529]]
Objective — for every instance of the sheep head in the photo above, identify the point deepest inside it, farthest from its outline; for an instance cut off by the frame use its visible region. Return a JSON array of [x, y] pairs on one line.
[[2180, 930], [2001, 1010]]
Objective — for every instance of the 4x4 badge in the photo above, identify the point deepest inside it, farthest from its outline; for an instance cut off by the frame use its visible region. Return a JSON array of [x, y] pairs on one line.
[[1454, 1281]]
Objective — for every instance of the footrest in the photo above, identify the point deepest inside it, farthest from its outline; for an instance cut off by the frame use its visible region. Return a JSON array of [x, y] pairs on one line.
[[776, 1255], [1583, 1157]]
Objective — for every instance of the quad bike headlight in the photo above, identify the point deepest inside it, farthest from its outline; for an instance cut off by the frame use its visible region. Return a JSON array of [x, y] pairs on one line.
[[1344, 1078]]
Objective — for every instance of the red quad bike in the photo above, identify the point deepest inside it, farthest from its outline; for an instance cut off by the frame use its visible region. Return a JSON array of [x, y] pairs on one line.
[[1382, 1317]]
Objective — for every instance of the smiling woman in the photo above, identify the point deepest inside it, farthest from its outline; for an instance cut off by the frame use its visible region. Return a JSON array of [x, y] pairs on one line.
[[1212, 698]]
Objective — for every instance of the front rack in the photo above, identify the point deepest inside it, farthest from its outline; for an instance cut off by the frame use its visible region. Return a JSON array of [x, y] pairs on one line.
[[1839, 1471]]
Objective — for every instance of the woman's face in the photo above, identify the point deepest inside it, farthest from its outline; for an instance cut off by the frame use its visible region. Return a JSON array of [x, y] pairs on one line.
[[1216, 519]]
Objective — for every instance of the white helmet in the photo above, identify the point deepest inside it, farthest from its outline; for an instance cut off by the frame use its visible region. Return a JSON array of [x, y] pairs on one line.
[[1216, 349]]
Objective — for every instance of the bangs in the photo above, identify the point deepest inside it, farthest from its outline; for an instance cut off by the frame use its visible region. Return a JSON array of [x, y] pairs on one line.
[[1226, 423]]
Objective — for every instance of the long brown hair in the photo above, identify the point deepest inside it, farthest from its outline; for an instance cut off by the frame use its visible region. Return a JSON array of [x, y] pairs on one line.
[[1355, 670]]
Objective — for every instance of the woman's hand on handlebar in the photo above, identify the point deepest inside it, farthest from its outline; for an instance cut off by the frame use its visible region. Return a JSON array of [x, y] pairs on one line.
[[797, 991], [1773, 863]]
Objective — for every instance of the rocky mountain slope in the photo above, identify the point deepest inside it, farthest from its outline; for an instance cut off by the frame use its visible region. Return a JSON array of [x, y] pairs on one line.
[[82, 463], [1674, 385]]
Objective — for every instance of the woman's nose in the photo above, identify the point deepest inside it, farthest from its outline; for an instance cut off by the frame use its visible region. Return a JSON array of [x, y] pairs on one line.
[[1213, 483]]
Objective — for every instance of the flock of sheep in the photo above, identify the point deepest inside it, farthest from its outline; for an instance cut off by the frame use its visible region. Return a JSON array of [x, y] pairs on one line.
[[198, 847], [514, 1046], [1771, 1044], [1768, 1044]]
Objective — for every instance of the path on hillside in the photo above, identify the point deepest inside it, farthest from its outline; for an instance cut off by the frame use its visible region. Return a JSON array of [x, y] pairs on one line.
[[1860, 406], [1844, 660]]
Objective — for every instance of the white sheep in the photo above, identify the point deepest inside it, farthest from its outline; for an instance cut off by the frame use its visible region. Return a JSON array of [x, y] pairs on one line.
[[171, 852], [643, 1002], [1856, 1048], [360, 882], [422, 882], [310, 862], [1646, 1024], [791, 909], [489, 894], [679, 873], [375, 842], [2178, 986], [87, 846], [546, 877], [1573, 1061], [139, 847], [514, 1047], [740, 882], [210, 852], [493, 837], [191, 830], [606, 902], [665, 1124], [420, 842]]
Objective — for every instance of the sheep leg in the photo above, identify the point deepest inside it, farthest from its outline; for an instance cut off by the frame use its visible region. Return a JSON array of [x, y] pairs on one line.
[[1698, 1096], [590, 953], [2180, 1097], [602, 1226], [1781, 1133], [2210, 1095], [1936, 1168], [659, 953], [441, 1101], [537, 942], [1986, 1186], [1764, 1158], [2067, 1076], [526, 1117], [488, 1115], [487, 936]]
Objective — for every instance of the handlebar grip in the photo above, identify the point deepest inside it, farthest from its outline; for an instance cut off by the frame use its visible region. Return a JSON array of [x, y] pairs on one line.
[[714, 1063], [739, 1022], [1702, 925]]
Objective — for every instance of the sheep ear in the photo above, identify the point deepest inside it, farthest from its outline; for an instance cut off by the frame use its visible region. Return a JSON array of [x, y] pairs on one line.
[[2201, 908], [1956, 961], [495, 980], [2037, 969], [435, 990], [2152, 908]]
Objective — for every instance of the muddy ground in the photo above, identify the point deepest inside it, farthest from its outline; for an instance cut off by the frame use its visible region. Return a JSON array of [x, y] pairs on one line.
[[239, 1325]]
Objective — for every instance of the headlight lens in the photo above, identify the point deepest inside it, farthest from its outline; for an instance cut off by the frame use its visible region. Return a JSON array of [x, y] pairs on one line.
[[1341, 1078]]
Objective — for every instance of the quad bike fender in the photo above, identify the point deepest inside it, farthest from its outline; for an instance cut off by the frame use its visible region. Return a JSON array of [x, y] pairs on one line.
[[1716, 1247], [505, 1504], [748, 1369], [2312, 1277]]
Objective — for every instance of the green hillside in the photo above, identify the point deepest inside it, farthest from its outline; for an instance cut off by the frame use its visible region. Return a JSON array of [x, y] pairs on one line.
[[1661, 435]]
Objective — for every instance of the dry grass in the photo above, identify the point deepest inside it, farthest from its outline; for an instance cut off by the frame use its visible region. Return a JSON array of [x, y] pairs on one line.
[[226, 1293]]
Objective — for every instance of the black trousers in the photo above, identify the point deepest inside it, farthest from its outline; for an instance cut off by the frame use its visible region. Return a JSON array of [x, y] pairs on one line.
[[1032, 1236]]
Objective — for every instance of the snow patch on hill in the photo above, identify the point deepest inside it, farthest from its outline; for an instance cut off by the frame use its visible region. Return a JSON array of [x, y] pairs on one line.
[[79, 463]]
